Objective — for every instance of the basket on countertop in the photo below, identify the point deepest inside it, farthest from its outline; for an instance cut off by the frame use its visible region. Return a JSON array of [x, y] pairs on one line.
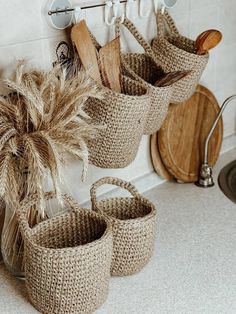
[[145, 68], [175, 52], [67, 259], [133, 225]]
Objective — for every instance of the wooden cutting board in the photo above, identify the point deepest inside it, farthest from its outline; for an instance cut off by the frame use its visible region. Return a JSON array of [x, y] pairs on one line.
[[157, 162], [182, 137]]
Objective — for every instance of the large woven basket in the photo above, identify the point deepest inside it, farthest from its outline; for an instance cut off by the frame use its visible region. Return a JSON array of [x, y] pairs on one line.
[[67, 259], [145, 68], [122, 117], [133, 226], [175, 53]]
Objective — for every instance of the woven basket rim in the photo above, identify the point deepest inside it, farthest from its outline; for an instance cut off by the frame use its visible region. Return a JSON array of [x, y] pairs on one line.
[[105, 235], [142, 81], [150, 215], [122, 95], [179, 50]]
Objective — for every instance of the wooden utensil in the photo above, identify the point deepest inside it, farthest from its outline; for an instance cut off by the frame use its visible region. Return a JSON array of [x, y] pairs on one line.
[[207, 40], [87, 52], [109, 56], [171, 78], [157, 162], [182, 137]]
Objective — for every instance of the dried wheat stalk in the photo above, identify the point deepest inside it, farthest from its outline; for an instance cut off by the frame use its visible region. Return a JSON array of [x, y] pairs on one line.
[[38, 126]]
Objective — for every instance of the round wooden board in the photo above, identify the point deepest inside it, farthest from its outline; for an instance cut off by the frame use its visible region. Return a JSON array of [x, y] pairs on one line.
[[182, 137], [157, 162]]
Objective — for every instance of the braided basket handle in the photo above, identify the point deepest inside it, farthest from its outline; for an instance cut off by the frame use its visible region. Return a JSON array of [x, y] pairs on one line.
[[113, 181], [161, 19], [95, 42], [133, 30], [32, 200]]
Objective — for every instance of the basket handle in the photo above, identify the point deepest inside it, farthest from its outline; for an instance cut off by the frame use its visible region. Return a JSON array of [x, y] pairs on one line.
[[95, 42], [136, 34], [161, 19], [140, 39], [133, 30], [113, 181], [31, 200]]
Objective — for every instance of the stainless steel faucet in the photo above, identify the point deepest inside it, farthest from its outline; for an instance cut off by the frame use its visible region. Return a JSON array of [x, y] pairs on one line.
[[206, 177]]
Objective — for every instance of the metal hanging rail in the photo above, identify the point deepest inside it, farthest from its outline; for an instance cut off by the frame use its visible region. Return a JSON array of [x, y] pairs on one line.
[[82, 8]]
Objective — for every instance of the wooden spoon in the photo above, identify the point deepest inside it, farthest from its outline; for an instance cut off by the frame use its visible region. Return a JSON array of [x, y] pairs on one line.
[[86, 50], [171, 78], [109, 56], [207, 40]]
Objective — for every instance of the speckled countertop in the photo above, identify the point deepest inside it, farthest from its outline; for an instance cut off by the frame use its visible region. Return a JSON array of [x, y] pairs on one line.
[[193, 269]]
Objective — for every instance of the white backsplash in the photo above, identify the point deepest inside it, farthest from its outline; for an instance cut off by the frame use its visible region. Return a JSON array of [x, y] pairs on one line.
[[24, 33]]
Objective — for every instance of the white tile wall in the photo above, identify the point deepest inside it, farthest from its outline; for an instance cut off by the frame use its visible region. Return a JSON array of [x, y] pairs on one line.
[[20, 21], [24, 32]]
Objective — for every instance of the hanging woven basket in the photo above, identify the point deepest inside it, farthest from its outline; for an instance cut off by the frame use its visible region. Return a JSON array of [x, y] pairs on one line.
[[175, 52], [145, 69], [122, 117]]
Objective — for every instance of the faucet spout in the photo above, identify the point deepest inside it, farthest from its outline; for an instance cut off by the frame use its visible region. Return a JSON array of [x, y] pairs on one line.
[[226, 102], [206, 178]]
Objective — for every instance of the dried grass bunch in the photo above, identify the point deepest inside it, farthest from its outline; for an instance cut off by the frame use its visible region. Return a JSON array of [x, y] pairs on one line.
[[39, 125]]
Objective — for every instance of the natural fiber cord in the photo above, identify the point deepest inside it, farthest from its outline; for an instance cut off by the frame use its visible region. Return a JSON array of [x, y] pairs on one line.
[[67, 259], [145, 68], [133, 225], [175, 52]]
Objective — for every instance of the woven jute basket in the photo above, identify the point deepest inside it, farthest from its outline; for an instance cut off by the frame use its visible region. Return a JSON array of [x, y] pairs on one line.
[[67, 259], [133, 222], [145, 68], [175, 53], [122, 117]]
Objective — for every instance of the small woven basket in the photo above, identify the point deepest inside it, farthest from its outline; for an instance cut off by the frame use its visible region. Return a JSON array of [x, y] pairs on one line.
[[144, 68], [133, 225], [177, 53], [67, 259], [122, 117]]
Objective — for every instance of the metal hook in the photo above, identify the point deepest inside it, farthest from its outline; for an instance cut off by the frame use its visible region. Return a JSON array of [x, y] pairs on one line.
[[108, 6], [156, 5], [163, 8], [77, 13], [116, 10], [159, 4], [164, 5], [141, 13], [128, 7]]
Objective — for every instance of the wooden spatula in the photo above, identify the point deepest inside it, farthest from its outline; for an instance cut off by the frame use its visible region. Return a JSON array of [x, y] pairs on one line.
[[87, 52], [171, 78], [109, 56], [207, 40]]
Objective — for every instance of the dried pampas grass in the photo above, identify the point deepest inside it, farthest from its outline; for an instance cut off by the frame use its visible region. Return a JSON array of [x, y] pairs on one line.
[[38, 125]]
